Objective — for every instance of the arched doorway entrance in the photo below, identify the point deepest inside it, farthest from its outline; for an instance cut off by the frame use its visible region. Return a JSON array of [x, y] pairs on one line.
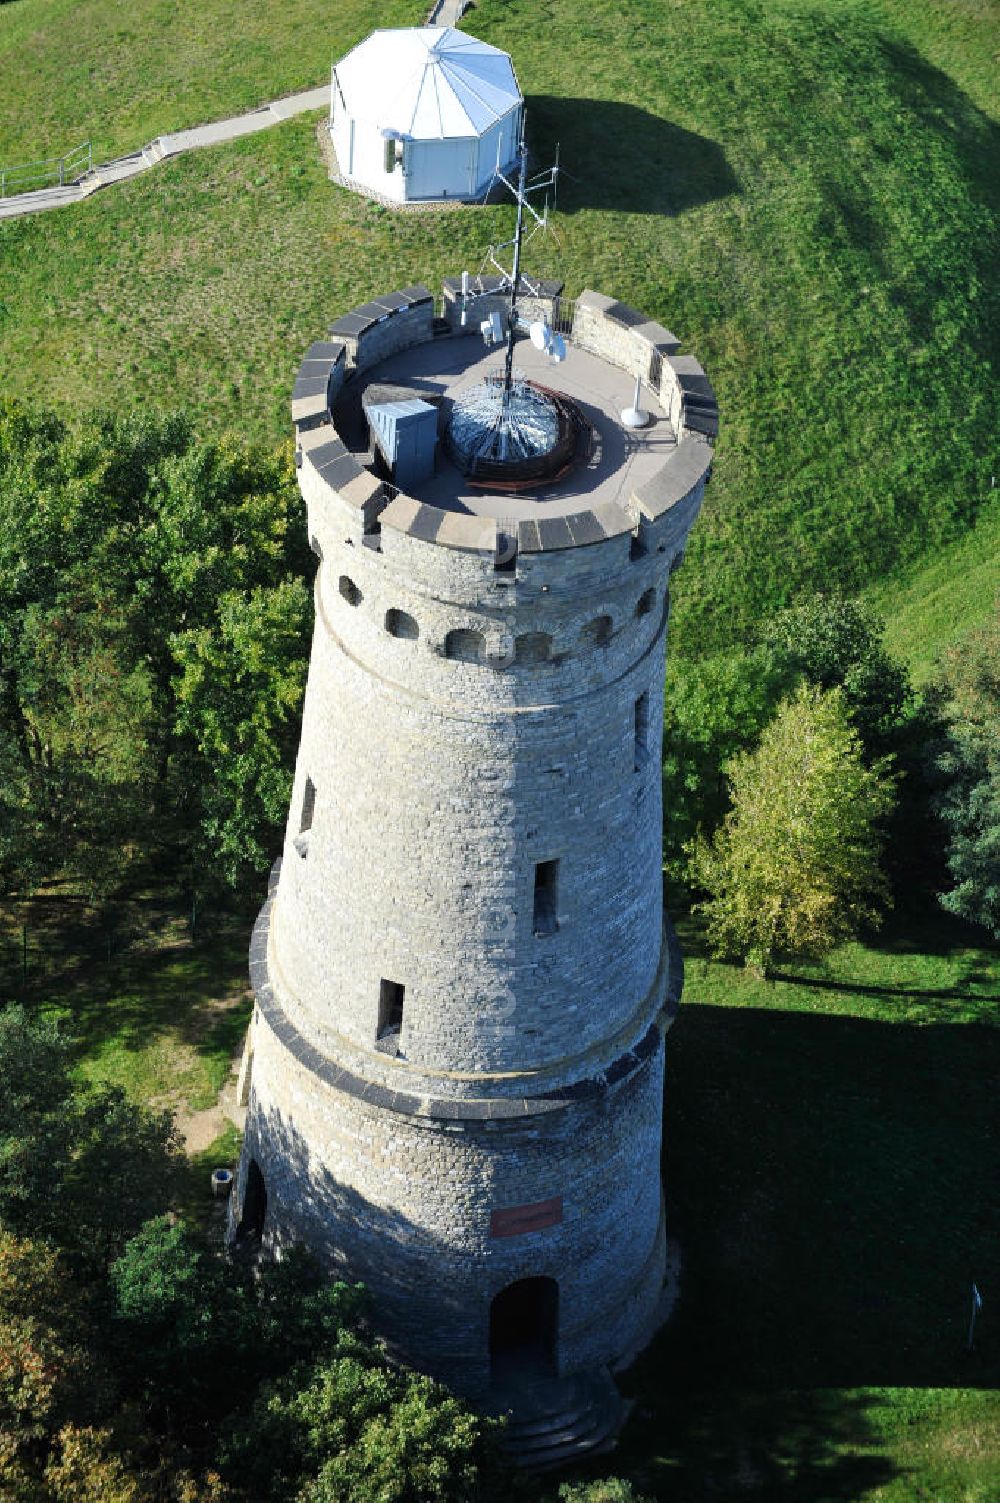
[[524, 1330], [254, 1204]]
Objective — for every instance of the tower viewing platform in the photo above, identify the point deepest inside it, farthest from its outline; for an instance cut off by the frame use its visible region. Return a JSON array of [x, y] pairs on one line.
[[464, 973]]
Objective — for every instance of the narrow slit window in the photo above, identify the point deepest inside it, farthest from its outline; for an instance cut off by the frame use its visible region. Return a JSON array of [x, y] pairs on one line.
[[546, 897], [641, 730], [306, 817], [390, 1007], [308, 807]]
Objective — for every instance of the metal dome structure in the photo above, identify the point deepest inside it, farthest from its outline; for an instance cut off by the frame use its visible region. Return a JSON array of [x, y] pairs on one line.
[[424, 113]]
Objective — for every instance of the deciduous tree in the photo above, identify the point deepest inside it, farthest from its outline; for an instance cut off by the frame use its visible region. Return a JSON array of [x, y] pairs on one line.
[[835, 643], [795, 865]]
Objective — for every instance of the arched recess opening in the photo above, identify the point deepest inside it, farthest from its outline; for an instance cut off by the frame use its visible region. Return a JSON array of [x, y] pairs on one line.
[[464, 645], [524, 1330], [254, 1204]]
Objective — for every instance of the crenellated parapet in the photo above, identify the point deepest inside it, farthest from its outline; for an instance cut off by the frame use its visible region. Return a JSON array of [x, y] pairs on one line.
[[340, 490]]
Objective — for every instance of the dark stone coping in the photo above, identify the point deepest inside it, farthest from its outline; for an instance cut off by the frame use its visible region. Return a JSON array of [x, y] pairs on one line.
[[482, 1109], [416, 294], [690, 464], [621, 313], [698, 421], [427, 522], [350, 325], [392, 301], [311, 385], [359, 320], [327, 351], [311, 392], [338, 470]]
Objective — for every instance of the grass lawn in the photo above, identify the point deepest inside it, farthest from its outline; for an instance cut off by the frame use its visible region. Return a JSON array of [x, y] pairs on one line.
[[150, 1009], [118, 75], [936, 602]]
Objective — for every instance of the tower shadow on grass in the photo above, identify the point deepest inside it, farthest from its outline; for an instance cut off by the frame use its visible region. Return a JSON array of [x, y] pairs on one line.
[[623, 159], [833, 1184]]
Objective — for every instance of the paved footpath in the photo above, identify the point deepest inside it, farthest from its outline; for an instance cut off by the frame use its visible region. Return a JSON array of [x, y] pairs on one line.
[[165, 146]]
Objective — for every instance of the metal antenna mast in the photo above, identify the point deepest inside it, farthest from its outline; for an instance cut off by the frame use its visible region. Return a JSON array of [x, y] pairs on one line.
[[503, 420], [508, 370]]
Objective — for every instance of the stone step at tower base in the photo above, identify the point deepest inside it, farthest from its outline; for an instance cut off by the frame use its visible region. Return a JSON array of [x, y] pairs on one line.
[[555, 1422]]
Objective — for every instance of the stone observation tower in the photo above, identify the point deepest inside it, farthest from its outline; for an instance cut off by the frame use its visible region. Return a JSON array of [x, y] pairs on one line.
[[463, 971]]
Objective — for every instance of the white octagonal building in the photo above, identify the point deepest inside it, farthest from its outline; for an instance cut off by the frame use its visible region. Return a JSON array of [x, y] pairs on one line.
[[424, 113]]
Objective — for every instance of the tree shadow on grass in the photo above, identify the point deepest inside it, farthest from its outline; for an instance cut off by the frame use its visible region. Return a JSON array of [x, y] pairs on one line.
[[726, 1444], [152, 980], [935, 994], [622, 159]]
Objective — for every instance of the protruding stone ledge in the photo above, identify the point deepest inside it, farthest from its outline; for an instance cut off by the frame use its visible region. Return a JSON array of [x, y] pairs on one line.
[[689, 397], [459, 1109], [681, 479]]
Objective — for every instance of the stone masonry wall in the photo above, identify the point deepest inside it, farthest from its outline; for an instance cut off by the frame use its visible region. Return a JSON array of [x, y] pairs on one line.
[[440, 783], [406, 1205]]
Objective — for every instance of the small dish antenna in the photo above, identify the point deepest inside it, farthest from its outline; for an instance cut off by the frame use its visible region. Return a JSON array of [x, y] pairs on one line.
[[543, 339]]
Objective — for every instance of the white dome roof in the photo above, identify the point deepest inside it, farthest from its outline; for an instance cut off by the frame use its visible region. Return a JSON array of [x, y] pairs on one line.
[[427, 82]]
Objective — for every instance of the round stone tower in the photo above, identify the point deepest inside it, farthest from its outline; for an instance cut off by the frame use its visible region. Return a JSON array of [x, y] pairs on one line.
[[463, 971]]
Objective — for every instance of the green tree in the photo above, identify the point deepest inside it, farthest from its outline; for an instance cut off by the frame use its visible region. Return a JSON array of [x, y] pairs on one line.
[[714, 707], [84, 1169], [49, 1376], [795, 865], [352, 1428], [835, 643], [151, 615], [605, 1490], [966, 764], [239, 690], [197, 1333]]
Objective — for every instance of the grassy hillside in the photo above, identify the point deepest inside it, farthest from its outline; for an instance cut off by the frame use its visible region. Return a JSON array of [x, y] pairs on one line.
[[119, 74], [799, 192], [937, 601]]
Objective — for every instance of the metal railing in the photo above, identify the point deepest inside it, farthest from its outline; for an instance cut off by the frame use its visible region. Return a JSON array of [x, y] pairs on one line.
[[51, 172], [562, 315]]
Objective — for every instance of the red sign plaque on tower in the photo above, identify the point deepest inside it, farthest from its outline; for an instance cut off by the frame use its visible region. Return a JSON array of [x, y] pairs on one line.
[[514, 1221]]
